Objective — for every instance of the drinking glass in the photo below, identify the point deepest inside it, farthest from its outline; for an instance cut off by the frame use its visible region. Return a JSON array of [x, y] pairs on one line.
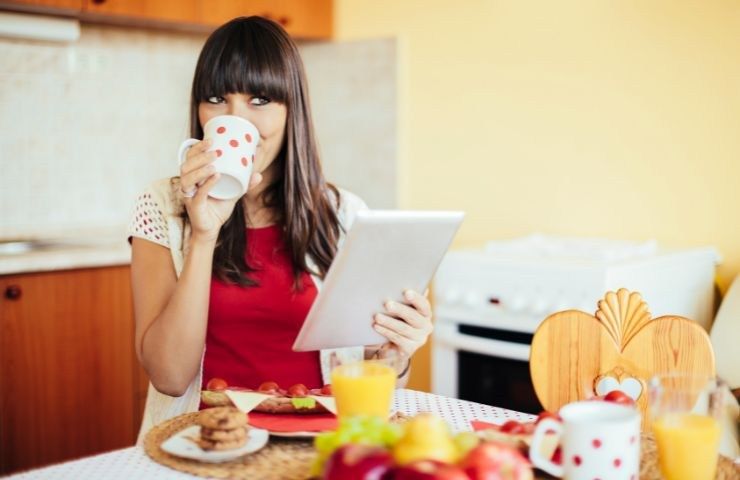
[[364, 387], [685, 410]]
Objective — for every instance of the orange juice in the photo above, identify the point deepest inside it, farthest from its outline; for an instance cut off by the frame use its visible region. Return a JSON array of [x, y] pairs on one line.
[[687, 446], [363, 388]]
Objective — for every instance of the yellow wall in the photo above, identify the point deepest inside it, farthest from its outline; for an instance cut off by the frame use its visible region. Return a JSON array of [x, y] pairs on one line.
[[596, 118]]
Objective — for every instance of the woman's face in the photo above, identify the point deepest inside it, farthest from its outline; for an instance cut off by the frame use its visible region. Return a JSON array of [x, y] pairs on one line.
[[268, 116]]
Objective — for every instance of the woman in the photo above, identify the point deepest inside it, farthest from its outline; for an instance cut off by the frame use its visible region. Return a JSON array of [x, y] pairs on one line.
[[222, 287]]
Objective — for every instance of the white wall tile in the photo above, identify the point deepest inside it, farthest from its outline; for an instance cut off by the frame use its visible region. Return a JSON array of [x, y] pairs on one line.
[[86, 126]]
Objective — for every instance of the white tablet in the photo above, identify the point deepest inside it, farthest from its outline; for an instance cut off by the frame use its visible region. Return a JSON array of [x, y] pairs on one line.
[[384, 253]]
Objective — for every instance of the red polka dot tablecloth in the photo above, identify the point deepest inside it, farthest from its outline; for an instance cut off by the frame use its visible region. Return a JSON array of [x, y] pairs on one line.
[[133, 463]]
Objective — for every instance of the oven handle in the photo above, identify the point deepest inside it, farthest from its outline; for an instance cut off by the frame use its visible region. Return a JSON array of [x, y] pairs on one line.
[[484, 346]]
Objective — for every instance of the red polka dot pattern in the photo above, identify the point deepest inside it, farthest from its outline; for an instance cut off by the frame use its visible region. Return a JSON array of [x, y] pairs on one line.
[[221, 130], [219, 153], [617, 462], [233, 143], [576, 460], [248, 138], [148, 222], [596, 443], [245, 161]]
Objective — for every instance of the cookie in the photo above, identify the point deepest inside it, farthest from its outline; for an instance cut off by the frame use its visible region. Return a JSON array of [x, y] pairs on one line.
[[216, 435], [206, 444], [222, 418]]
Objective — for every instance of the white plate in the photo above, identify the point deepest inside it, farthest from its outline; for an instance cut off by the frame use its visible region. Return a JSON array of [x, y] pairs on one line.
[[180, 444]]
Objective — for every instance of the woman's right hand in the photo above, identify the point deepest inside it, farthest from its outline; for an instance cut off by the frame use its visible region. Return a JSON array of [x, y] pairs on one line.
[[197, 173]]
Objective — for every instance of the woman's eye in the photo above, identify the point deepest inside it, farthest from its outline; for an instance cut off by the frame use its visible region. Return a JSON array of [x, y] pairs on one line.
[[259, 101], [215, 100]]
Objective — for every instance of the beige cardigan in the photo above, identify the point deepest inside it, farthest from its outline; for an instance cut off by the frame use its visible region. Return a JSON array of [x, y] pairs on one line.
[[157, 219]]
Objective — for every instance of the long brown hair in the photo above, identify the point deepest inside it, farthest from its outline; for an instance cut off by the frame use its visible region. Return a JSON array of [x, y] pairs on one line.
[[256, 56]]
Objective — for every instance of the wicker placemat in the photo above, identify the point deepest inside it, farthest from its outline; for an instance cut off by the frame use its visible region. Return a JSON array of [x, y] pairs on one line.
[[286, 459], [289, 459]]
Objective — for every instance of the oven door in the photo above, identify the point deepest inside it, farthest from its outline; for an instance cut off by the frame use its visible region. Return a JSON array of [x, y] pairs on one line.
[[484, 365]]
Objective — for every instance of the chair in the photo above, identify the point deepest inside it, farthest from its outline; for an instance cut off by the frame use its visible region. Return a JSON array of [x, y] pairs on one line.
[[576, 356]]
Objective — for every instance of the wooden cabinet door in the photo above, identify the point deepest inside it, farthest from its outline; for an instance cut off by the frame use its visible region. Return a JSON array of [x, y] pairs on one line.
[[70, 384], [170, 11], [305, 19], [74, 5]]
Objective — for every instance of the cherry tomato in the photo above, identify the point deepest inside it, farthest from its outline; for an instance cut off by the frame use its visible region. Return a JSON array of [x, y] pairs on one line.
[[618, 396], [326, 389], [545, 414], [512, 426], [268, 387], [217, 384], [298, 390]]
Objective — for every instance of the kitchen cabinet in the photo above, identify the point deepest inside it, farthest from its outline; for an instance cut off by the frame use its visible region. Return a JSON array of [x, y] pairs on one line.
[[176, 11], [70, 383], [303, 19], [308, 19]]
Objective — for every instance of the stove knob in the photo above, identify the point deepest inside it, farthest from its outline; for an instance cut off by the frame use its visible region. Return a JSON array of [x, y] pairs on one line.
[[518, 303], [471, 299], [540, 307], [450, 297]]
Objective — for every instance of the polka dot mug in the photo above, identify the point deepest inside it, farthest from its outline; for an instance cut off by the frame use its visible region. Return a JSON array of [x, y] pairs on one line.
[[599, 440], [235, 141]]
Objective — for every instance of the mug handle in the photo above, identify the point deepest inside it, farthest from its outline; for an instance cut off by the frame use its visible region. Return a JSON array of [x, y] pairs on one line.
[[184, 146], [547, 424]]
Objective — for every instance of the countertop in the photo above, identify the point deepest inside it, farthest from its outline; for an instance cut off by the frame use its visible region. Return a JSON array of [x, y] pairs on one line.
[[69, 250]]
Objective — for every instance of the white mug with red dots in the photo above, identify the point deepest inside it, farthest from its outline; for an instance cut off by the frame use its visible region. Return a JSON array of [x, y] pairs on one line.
[[234, 139], [597, 439]]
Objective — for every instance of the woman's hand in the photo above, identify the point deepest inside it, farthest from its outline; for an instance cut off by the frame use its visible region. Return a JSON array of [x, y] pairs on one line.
[[197, 178], [407, 326]]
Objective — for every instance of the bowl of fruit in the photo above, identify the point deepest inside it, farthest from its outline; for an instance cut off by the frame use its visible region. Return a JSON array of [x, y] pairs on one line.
[[423, 448]]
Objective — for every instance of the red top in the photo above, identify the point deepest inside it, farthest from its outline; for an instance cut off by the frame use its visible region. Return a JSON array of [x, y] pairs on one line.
[[251, 329]]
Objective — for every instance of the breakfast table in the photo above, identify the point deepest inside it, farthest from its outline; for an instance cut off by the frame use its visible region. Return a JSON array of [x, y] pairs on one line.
[[133, 462]]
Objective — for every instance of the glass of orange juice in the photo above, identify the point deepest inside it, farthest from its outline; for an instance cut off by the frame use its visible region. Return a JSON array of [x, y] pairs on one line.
[[684, 410], [364, 387]]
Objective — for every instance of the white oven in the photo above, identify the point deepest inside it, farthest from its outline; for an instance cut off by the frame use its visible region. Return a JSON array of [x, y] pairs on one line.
[[489, 302]]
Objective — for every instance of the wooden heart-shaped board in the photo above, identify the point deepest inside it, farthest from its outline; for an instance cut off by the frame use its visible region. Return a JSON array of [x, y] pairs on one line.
[[620, 347]]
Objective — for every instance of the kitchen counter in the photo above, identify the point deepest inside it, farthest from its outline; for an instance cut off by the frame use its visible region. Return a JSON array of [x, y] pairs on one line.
[[69, 251]]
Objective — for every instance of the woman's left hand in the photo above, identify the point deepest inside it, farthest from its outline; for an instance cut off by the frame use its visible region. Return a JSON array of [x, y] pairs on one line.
[[408, 325]]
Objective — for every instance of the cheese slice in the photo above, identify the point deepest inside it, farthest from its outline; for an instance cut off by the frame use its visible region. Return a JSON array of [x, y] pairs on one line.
[[246, 401]]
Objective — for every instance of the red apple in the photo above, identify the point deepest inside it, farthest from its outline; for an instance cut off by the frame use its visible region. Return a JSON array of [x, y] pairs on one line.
[[545, 414], [429, 470], [358, 462], [496, 461], [512, 426], [557, 456], [618, 396]]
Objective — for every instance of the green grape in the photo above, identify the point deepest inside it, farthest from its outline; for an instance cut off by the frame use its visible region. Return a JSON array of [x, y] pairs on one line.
[[374, 423], [390, 434], [465, 442], [324, 442]]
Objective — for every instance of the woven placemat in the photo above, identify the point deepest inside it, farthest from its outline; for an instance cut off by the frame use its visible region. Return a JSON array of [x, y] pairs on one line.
[[290, 459]]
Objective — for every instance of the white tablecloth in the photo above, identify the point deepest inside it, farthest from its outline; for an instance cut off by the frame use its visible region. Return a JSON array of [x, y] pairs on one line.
[[132, 463]]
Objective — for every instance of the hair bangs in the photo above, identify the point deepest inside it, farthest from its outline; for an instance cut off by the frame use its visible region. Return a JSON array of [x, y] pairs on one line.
[[234, 61]]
